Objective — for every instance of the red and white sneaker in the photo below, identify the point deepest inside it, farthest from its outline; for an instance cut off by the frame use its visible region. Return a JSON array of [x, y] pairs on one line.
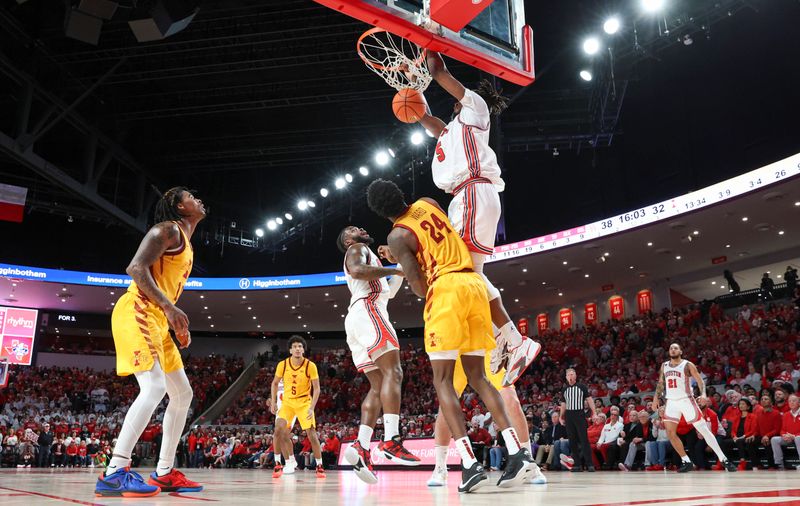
[[174, 481], [320, 472], [277, 472], [519, 359], [359, 457], [395, 452], [567, 461]]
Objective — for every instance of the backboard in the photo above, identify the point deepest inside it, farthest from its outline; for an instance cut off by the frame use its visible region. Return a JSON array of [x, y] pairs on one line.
[[496, 40]]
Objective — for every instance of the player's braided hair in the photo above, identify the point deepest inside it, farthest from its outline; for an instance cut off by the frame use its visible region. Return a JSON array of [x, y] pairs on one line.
[[167, 205], [496, 102], [385, 199], [340, 239]]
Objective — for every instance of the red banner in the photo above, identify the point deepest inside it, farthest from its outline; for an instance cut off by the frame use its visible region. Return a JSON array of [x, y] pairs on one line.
[[590, 312], [542, 323], [644, 300], [617, 306], [565, 318], [522, 326]]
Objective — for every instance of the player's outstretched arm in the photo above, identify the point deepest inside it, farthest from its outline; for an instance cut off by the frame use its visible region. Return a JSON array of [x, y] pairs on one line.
[[359, 268], [404, 246], [442, 76], [432, 124], [158, 240]]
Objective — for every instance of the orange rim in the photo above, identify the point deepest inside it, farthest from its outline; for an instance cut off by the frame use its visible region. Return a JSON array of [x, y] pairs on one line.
[[377, 66]]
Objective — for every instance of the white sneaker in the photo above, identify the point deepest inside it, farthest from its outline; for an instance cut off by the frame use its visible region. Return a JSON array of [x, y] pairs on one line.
[[290, 467], [520, 359], [538, 477], [438, 478]]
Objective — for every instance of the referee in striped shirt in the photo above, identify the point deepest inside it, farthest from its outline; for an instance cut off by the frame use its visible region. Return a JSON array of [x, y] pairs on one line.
[[572, 413]]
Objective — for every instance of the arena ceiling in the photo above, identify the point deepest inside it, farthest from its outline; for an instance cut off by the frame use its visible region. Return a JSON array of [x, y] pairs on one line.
[[259, 103]]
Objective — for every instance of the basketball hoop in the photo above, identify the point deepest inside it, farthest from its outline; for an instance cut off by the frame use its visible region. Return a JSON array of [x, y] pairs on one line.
[[400, 62]]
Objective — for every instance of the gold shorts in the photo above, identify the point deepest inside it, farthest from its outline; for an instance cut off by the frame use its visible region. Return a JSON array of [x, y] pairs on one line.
[[457, 315]]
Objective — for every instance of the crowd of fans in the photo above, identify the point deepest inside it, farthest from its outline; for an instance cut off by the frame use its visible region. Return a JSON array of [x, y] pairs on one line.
[[44, 412], [751, 352]]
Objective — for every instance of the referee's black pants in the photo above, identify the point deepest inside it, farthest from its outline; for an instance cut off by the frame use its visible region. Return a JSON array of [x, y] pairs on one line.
[[578, 438]]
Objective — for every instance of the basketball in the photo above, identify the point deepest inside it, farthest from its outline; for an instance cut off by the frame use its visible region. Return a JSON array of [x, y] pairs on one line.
[[409, 105]]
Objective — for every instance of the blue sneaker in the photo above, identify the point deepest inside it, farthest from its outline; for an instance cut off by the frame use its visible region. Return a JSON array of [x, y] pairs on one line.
[[124, 483]]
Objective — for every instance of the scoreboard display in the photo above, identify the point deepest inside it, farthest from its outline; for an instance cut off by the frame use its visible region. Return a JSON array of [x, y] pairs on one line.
[[17, 334]]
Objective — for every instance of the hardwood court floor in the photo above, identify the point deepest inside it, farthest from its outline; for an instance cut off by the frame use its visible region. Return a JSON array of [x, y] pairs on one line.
[[20, 487]]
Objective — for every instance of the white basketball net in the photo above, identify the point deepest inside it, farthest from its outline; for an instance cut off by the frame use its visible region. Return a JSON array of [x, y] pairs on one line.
[[400, 62]]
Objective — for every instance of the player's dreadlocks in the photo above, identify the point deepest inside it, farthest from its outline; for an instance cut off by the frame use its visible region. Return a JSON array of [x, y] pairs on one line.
[[167, 205], [497, 103], [340, 239], [385, 199]]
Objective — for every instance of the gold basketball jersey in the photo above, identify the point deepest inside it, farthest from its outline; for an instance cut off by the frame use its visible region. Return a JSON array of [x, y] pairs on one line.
[[171, 271]]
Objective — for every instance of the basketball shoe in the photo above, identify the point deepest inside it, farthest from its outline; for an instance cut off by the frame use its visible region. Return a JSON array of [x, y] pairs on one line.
[[394, 451], [518, 469], [359, 457], [277, 472], [124, 483], [320, 472], [519, 359], [174, 481], [473, 478], [438, 478], [537, 476]]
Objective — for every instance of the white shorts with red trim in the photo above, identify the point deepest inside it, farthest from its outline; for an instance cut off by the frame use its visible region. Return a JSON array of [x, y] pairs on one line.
[[369, 333], [687, 407], [475, 212]]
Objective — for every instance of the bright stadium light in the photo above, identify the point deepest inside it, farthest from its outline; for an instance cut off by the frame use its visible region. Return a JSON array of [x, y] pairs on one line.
[[611, 26], [311, 204], [586, 75], [363, 171], [323, 192], [391, 152], [652, 5], [279, 221], [288, 216], [382, 158], [416, 138], [340, 183], [348, 178], [272, 225], [259, 232], [591, 45], [302, 204]]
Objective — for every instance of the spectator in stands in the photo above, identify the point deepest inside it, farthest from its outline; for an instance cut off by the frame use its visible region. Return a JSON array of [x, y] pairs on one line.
[[615, 451], [481, 441], [790, 276], [767, 287], [656, 451], [635, 441], [45, 443], [790, 432], [330, 452], [768, 421], [608, 437], [59, 451], [72, 454], [742, 432]]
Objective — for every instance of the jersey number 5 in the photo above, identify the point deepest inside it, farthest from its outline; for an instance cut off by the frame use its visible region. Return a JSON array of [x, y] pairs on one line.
[[439, 152], [439, 224], [672, 383], [294, 390]]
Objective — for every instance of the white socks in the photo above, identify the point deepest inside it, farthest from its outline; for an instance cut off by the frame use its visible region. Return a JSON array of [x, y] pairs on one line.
[[364, 435], [527, 444], [440, 452], [512, 441], [511, 335], [391, 426], [711, 441], [152, 385], [465, 450], [685, 458], [180, 397]]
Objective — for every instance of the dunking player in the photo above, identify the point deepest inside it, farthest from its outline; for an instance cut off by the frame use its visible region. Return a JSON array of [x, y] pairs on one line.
[[300, 395], [674, 380], [457, 320], [140, 324], [373, 343], [465, 166]]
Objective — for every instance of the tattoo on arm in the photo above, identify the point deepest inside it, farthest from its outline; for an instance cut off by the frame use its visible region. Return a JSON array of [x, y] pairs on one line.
[[356, 261], [661, 386], [159, 239]]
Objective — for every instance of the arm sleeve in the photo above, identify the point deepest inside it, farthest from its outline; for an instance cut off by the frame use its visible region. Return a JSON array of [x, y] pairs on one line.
[[474, 111], [395, 282]]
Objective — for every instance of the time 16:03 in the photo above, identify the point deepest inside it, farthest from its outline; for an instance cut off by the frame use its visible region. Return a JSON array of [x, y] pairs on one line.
[[632, 216]]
